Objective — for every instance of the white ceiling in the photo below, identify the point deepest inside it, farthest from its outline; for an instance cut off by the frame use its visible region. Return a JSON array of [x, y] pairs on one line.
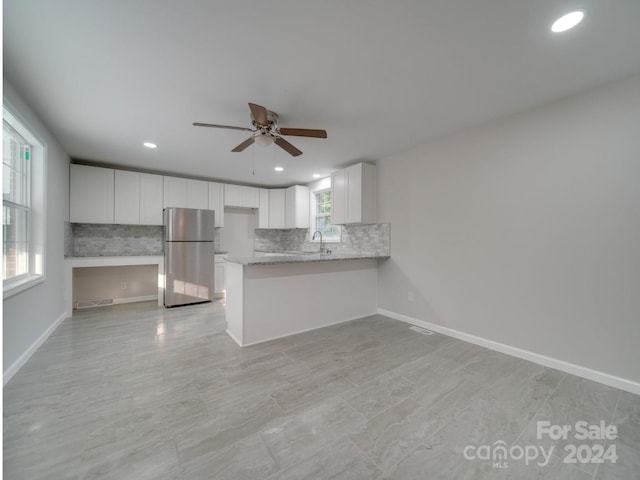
[[380, 76]]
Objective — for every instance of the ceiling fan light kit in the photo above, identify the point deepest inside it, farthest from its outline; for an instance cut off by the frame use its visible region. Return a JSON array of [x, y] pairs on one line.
[[267, 132]]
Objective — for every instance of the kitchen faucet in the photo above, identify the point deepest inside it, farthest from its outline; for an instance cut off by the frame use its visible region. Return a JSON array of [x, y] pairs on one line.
[[321, 241]]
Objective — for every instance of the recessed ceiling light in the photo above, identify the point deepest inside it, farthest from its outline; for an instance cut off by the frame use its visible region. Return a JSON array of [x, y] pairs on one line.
[[316, 175], [278, 169], [567, 21], [150, 145]]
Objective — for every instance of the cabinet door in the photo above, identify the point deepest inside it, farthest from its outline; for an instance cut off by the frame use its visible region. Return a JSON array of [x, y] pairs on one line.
[[338, 197], [297, 207], [151, 187], [354, 193], [263, 209], [276, 208], [91, 192], [216, 202], [127, 198], [197, 194], [250, 197], [233, 196], [175, 192]]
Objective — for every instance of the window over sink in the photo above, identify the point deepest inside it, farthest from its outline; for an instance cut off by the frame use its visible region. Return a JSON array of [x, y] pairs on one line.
[[322, 217]]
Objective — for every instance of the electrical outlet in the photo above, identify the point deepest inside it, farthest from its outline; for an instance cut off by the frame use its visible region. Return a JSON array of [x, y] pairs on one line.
[[410, 296], [123, 285]]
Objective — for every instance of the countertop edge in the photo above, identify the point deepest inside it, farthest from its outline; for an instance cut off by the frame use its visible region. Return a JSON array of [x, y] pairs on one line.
[[249, 261]]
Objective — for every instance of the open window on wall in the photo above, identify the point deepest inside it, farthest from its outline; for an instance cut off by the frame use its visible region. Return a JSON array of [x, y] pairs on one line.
[[321, 215], [23, 215]]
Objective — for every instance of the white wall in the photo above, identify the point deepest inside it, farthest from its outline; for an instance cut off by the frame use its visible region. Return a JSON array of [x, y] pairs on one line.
[[29, 315], [526, 231], [237, 235], [99, 283]]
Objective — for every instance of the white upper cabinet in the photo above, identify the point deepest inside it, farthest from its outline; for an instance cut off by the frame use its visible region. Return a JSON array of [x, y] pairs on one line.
[[198, 194], [276, 208], [138, 198], [175, 192], [297, 207], [216, 202], [91, 191], [354, 194], [241, 196], [263, 209], [339, 197], [127, 198], [151, 187]]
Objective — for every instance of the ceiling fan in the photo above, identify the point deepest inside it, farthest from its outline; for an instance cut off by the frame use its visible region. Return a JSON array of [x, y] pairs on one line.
[[266, 131]]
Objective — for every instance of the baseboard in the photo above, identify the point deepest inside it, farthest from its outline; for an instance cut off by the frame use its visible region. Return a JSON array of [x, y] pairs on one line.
[[277, 337], [22, 359], [143, 298], [115, 301], [584, 372]]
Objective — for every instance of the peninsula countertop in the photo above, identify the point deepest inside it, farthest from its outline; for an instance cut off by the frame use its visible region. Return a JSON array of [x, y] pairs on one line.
[[273, 258]]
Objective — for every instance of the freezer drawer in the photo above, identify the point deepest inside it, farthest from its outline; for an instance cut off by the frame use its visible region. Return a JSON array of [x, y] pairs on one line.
[[189, 272]]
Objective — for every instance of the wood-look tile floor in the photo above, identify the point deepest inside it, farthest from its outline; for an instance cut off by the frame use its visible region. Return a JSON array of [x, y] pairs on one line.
[[141, 392]]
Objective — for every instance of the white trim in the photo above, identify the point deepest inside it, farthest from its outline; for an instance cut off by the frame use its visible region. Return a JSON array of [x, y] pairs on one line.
[[142, 298], [580, 371], [119, 301], [26, 355], [11, 287], [294, 333]]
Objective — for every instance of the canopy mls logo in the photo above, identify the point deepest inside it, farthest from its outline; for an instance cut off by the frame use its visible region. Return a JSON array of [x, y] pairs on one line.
[[499, 453]]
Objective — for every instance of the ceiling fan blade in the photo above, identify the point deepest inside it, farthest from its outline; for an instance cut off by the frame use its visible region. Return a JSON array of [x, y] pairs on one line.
[[259, 114], [244, 145], [221, 126], [282, 143], [304, 132]]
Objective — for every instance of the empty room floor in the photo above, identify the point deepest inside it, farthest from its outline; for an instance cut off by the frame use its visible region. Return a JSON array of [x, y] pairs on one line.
[[140, 392]]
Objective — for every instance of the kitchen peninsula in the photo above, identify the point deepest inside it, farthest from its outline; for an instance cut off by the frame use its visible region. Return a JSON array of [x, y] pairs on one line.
[[275, 296]]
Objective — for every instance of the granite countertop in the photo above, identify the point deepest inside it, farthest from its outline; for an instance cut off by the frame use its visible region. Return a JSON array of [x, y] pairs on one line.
[[260, 258], [116, 255]]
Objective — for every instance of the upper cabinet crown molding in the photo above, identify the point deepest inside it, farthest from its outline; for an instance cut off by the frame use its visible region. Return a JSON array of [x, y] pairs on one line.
[[354, 195]]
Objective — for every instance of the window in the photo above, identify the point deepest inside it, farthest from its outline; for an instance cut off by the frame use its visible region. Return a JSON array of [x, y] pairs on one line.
[[322, 223], [22, 206]]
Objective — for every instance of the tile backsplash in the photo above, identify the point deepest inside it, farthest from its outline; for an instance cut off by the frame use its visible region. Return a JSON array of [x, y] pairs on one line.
[[100, 240], [373, 239]]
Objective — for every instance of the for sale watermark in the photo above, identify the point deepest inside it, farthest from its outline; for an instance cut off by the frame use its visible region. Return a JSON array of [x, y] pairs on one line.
[[590, 443]]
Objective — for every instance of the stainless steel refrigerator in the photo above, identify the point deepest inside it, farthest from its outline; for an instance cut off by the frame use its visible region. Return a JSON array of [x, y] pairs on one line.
[[188, 256]]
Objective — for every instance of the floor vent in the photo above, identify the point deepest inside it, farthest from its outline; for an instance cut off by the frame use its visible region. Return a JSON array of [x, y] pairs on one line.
[[423, 331], [92, 303]]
